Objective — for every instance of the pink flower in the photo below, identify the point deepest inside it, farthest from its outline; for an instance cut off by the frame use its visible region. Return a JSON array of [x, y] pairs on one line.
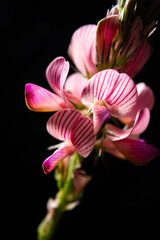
[[43, 100], [137, 151], [126, 143], [77, 133], [94, 48], [109, 93]]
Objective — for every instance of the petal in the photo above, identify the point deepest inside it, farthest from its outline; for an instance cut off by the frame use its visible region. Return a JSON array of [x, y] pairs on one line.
[[145, 100], [83, 137], [61, 124], [56, 74], [139, 59], [75, 84], [115, 133], [109, 147], [82, 49], [145, 96], [52, 161], [137, 127], [100, 115], [124, 96], [118, 90], [42, 100], [142, 121], [106, 31], [100, 86], [136, 151]]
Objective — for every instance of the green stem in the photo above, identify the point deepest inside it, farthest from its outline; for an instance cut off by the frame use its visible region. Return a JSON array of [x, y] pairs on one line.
[[47, 228], [68, 183]]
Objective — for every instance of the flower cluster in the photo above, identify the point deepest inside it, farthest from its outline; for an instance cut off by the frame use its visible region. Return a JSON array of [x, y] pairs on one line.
[[100, 105]]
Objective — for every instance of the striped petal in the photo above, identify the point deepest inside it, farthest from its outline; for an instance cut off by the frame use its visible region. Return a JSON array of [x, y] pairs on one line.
[[136, 151], [52, 161], [124, 96], [100, 86], [118, 90], [41, 100], [70, 125], [56, 74], [106, 30], [61, 124], [82, 49], [83, 137], [145, 100]]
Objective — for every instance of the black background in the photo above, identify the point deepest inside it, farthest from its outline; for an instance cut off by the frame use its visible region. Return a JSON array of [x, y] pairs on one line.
[[122, 200]]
